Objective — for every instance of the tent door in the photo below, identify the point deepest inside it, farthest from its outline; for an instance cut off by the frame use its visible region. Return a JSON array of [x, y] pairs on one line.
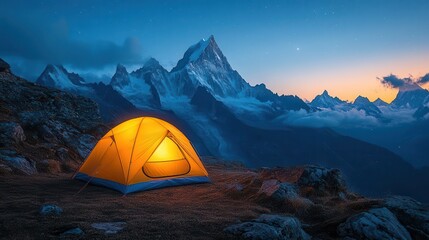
[[167, 160]]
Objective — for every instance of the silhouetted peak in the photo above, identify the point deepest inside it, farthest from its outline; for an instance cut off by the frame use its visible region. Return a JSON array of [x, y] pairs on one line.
[[121, 68], [361, 100], [151, 62]]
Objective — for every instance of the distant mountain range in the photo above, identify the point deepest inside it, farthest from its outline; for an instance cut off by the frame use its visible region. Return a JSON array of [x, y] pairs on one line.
[[229, 118]]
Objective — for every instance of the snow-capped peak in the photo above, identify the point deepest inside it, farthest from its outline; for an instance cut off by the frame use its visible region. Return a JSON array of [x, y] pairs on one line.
[[121, 77], [325, 93], [207, 48], [151, 62], [325, 100], [58, 77], [200, 47], [410, 95], [361, 100], [379, 102]]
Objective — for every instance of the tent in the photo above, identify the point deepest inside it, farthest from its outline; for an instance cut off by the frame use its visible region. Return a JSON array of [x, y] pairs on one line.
[[141, 154]]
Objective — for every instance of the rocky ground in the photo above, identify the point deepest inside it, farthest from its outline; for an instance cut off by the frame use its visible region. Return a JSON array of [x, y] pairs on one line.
[[284, 203]]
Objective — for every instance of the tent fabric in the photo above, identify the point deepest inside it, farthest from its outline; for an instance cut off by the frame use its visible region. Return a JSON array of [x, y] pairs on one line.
[[141, 154]]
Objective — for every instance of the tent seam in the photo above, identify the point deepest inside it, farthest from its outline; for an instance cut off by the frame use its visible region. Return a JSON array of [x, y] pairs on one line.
[[132, 151], [117, 151]]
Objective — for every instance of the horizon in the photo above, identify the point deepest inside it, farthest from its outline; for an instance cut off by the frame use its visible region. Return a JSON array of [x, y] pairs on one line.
[[294, 48]]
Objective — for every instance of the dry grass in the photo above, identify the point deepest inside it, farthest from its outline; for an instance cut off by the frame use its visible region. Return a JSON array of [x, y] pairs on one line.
[[186, 212]]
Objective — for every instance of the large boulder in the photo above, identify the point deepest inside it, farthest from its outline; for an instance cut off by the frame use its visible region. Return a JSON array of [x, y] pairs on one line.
[[411, 213], [375, 224], [269, 227]]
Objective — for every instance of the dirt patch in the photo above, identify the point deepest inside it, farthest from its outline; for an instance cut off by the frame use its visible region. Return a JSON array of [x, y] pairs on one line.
[[186, 212]]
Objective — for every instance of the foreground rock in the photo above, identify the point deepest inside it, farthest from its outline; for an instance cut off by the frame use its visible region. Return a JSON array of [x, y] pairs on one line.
[[50, 210], [412, 214], [269, 227], [311, 180], [378, 223]]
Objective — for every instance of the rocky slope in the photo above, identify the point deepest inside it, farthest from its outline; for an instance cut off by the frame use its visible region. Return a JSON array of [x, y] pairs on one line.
[[42, 129]]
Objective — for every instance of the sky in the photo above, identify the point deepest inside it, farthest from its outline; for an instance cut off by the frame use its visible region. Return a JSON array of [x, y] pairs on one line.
[[294, 47]]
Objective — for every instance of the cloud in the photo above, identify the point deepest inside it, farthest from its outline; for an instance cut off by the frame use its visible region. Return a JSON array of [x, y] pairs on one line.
[[424, 79], [329, 118], [392, 81], [353, 118], [51, 43]]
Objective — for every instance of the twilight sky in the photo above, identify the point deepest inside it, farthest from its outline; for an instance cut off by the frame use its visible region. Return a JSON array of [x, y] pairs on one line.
[[294, 47]]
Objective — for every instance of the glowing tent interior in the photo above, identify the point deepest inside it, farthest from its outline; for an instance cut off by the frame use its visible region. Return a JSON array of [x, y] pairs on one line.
[[141, 154]]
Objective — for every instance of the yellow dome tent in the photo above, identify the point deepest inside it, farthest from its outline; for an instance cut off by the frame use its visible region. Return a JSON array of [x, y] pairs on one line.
[[141, 154]]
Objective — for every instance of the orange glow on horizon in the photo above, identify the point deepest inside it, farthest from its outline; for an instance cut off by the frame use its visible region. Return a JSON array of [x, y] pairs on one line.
[[351, 79]]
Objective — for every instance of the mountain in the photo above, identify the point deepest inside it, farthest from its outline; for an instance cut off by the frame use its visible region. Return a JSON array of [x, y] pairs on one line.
[[380, 103], [137, 87], [203, 64], [423, 110], [56, 76], [363, 103], [411, 96], [113, 106], [324, 100]]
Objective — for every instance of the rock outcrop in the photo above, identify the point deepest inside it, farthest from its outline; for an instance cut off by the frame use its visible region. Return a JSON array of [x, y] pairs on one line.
[[412, 214], [37, 124], [377, 223]]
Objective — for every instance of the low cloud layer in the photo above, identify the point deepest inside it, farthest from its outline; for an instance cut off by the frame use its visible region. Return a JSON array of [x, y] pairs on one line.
[[347, 119], [329, 118], [52, 44]]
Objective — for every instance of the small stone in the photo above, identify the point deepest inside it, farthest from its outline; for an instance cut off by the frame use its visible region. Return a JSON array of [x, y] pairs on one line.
[[109, 227], [73, 232], [50, 210]]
